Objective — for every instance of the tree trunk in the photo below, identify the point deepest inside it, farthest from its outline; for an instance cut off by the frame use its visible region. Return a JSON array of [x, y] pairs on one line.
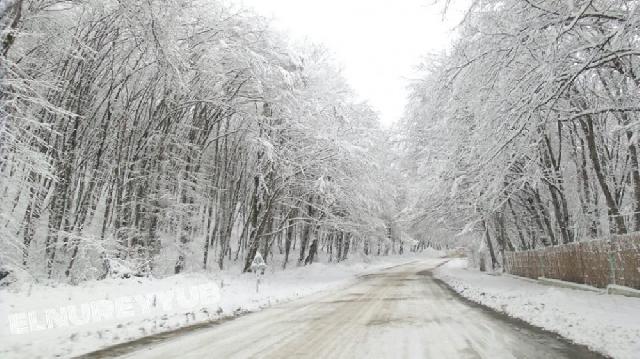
[[587, 126], [494, 261]]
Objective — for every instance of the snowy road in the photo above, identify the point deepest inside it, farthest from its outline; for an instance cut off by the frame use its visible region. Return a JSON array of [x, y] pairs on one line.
[[398, 313]]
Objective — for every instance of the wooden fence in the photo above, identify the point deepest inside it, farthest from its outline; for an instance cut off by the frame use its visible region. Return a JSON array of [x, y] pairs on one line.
[[596, 263]]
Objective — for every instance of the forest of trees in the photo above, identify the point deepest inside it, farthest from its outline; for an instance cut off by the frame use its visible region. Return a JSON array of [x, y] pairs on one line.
[[142, 137], [162, 136], [526, 132]]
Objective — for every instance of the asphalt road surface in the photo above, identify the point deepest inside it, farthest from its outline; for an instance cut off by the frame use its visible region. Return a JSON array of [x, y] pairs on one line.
[[401, 312]]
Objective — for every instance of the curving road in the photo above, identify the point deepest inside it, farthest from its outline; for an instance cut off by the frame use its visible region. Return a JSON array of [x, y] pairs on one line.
[[398, 313]]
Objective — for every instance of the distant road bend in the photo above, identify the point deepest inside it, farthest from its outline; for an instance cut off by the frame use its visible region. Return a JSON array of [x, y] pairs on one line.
[[401, 312]]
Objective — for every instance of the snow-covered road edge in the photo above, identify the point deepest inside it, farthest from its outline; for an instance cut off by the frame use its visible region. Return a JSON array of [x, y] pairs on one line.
[[238, 296], [607, 324]]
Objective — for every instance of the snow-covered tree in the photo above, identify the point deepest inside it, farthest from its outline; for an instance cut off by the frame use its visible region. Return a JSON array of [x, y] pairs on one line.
[[526, 130]]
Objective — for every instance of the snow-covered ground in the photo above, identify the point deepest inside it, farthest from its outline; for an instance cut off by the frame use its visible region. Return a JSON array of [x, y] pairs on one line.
[[609, 324], [42, 321], [400, 313]]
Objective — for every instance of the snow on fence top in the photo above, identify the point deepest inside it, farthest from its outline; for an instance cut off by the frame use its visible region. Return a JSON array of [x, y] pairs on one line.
[[598, 263]]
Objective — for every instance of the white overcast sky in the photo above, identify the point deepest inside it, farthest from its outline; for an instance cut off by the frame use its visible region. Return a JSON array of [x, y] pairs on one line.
[[377, 42]]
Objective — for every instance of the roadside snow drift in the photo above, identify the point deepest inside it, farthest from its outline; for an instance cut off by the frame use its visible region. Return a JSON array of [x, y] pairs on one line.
[[63, 321], [609, 324]]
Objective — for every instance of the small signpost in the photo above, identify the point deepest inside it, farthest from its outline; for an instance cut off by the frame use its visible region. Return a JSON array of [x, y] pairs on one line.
[[258, 266]]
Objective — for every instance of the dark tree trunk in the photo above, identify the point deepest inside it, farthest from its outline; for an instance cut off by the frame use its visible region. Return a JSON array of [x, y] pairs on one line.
[[620, 227], [492, 254]]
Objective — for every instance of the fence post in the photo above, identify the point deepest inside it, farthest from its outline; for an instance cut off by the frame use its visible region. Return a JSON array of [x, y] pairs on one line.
[[612, 268], [541, 260]]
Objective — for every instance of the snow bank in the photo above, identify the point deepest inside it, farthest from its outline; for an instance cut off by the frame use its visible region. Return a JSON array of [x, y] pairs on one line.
[[609, 324], [104, 313]]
